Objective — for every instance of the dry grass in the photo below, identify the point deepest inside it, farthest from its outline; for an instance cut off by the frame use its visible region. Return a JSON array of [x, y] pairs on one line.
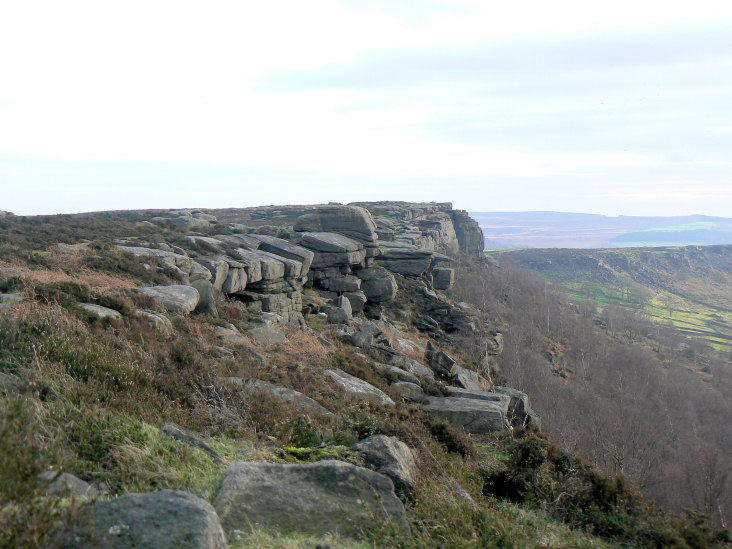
[[68, 266]]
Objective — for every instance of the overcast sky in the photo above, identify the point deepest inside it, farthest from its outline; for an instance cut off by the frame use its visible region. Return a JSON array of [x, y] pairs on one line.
[[620, 107]]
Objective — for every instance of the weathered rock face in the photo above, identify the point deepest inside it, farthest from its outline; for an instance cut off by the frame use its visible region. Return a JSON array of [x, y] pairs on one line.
[[168, 519], [359, 388], [318, 498], [520, 412], [469, 234], [206, 303], [474, 416], [391, 457], [176, 299]]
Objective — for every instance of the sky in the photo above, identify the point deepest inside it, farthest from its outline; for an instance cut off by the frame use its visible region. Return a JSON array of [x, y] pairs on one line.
[[616, 108]]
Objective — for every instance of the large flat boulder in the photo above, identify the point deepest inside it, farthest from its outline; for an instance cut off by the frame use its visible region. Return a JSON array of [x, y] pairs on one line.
[[352, 221], [473, 416], [175, 298], [359, 388], [317, 498], [168, 519], [499, 399], [332, 249]]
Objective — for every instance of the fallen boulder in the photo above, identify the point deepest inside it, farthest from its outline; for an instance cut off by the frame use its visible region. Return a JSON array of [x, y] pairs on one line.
[[317, 498], [168, 519], [98, 311], [176, 298], [391, 457]]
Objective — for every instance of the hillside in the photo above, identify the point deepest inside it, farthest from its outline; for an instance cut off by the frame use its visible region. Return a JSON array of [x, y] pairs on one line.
[[689, 287], [510, 230], [332, 376]]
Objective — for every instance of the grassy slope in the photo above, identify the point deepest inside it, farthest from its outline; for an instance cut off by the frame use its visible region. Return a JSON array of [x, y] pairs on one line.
[[690, 287], [91, 397]]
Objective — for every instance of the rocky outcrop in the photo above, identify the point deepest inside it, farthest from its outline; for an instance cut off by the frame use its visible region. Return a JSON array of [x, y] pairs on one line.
[[168, 519], [318, 498], [206, 303], [469, 234]]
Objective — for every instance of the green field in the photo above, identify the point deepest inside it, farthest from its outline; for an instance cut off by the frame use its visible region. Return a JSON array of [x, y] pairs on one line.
[[689, 287]]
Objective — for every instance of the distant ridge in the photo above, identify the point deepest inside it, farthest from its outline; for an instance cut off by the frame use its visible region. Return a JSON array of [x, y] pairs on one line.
[[510, 230]]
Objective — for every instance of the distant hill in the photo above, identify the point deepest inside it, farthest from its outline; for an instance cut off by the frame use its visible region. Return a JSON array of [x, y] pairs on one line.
[[511, 230], [689, 287]]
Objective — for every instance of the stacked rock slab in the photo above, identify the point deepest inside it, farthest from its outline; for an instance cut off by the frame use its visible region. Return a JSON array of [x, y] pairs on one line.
[[266, 271]]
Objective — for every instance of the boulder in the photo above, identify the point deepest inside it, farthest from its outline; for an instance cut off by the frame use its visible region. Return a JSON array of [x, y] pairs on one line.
[[230, 335], [377, 284], [474, 416], [441, 362], [501, 400], [358, 388], [206, 303], [344, 283], [362, 339], [67, 485], [158, 321], [391, 457], [175, 298], [351, 221], [166, 519], [410, 392], [468, 379], [267, 335], [357, 299], [443, 278], [191, 438], [319, 498], [98, 311], [291, 396]]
